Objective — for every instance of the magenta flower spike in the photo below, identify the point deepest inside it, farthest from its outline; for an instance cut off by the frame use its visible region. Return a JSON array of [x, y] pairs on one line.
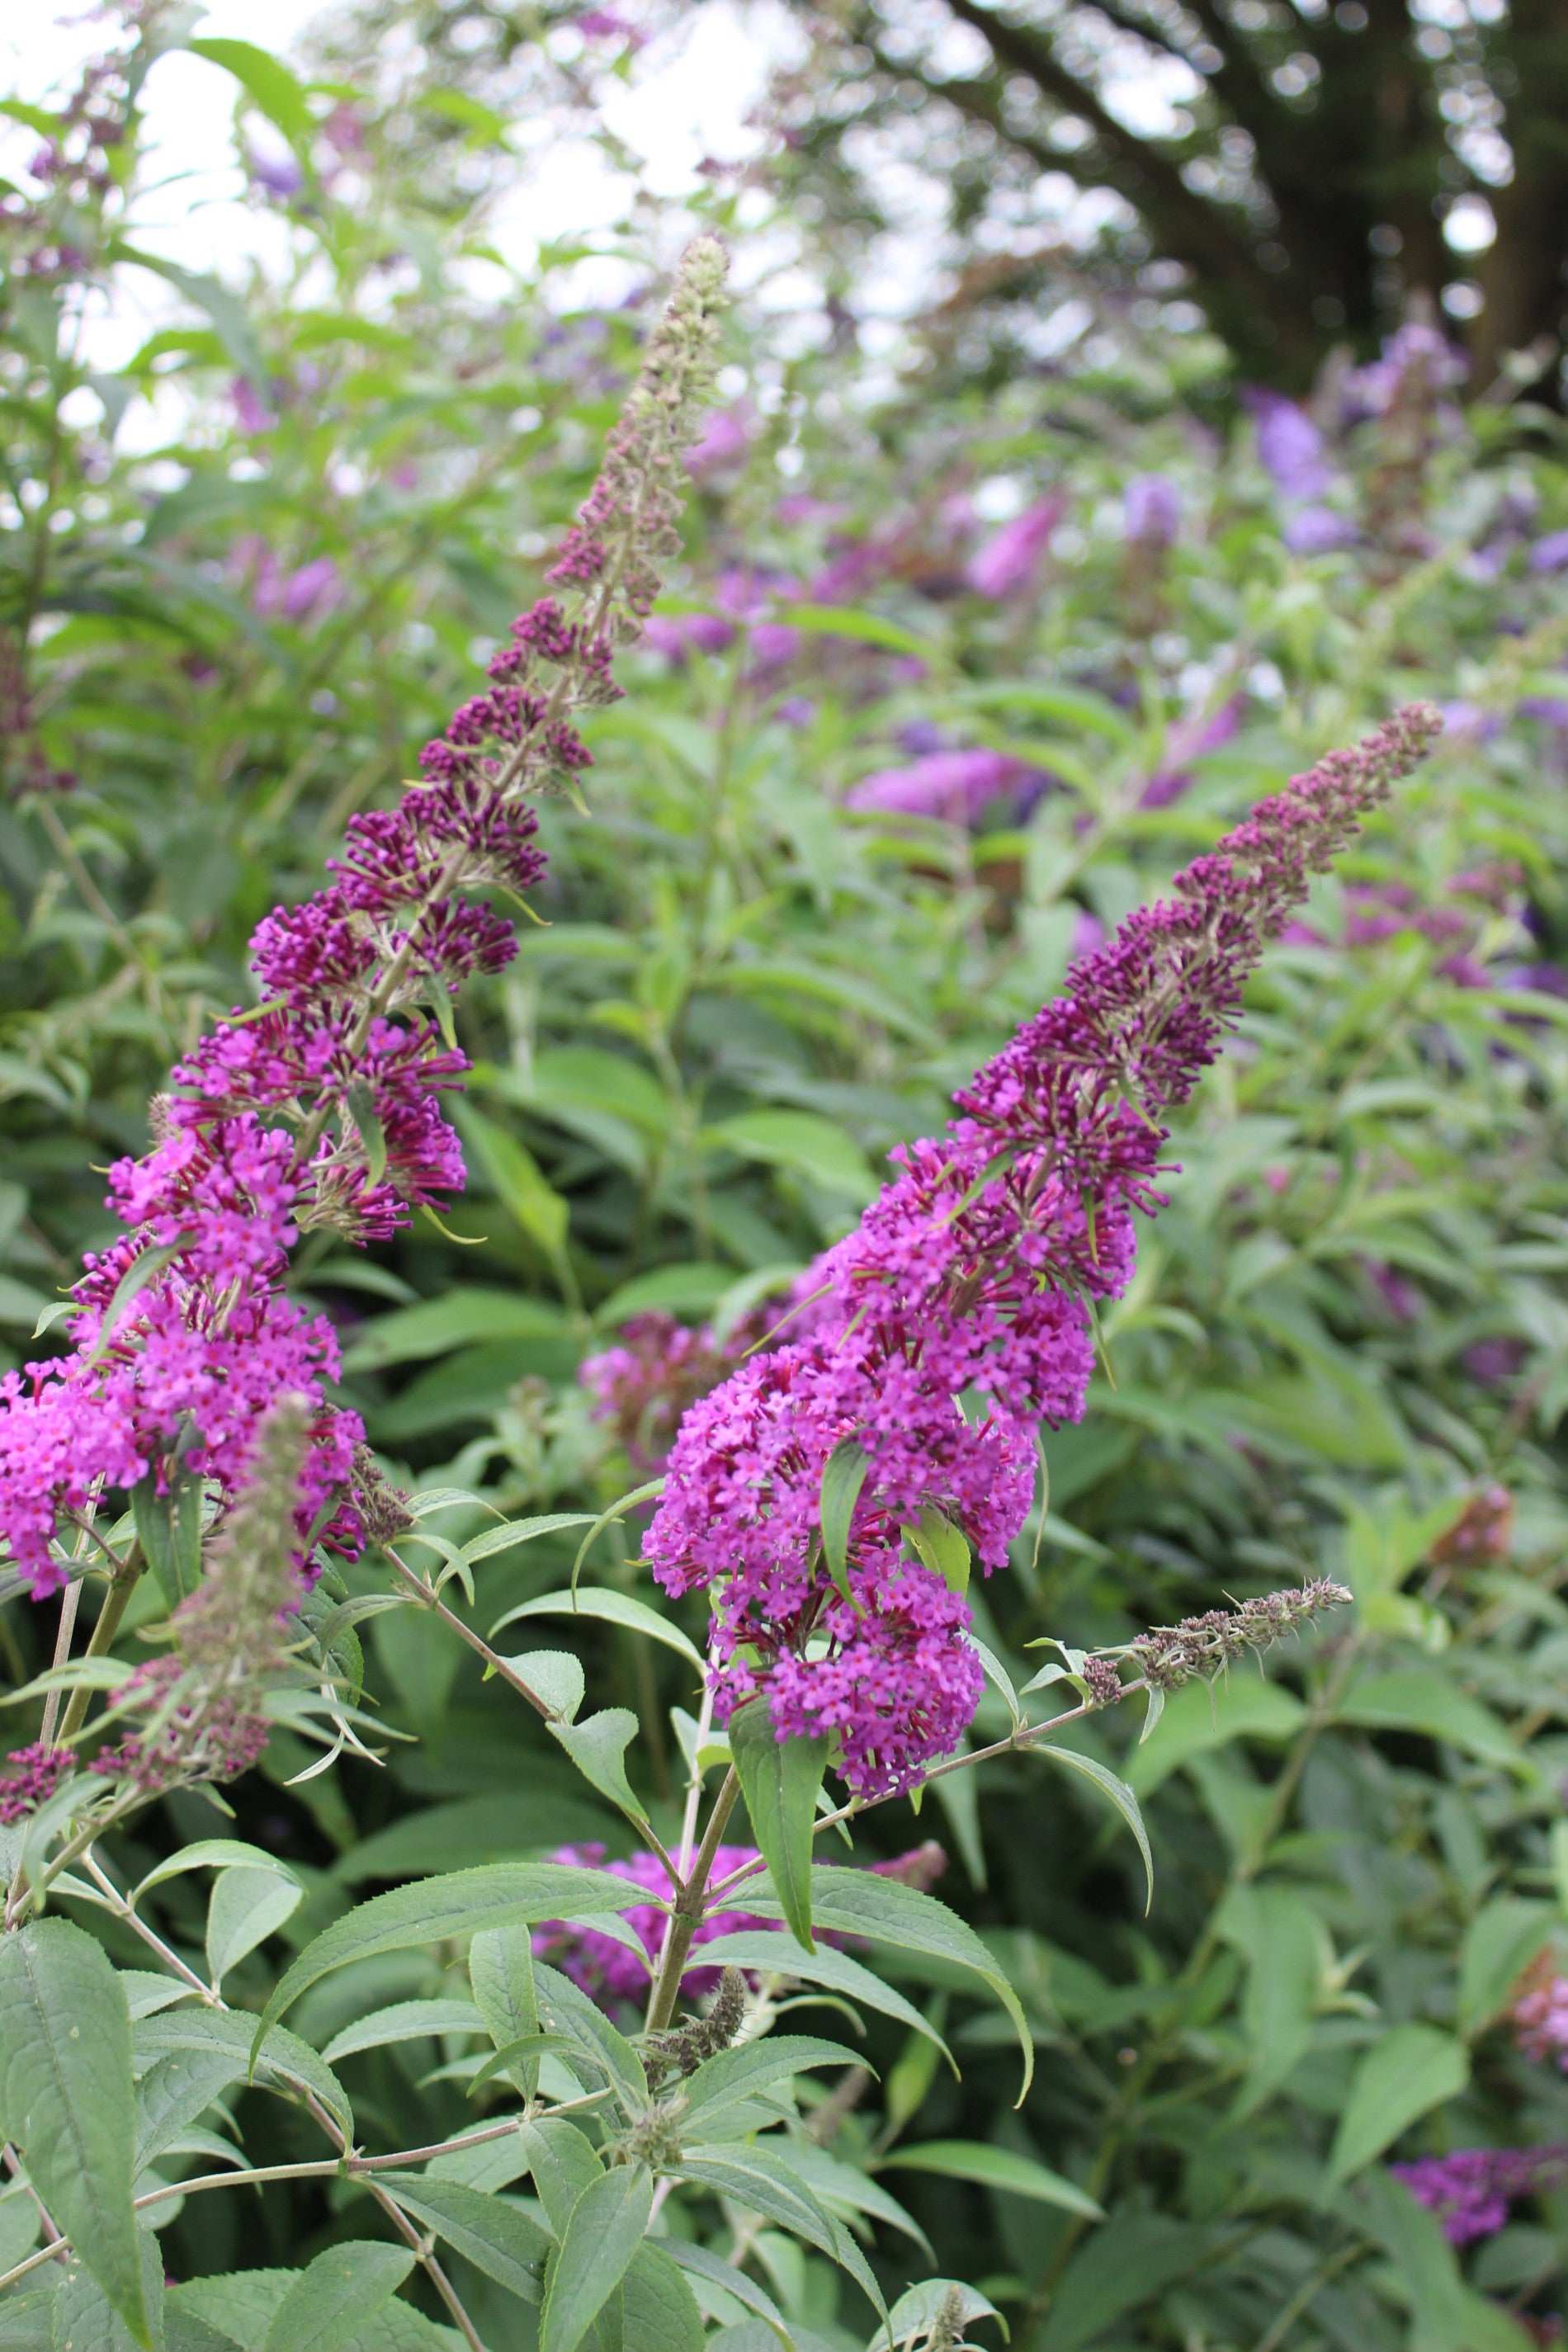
[[975, 1274], [323, 1105]]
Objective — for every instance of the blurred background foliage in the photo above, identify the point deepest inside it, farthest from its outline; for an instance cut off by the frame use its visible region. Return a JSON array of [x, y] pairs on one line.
[[246, 569]]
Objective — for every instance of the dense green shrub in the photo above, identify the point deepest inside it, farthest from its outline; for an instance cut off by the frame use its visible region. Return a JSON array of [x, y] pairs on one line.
[[246, 576]]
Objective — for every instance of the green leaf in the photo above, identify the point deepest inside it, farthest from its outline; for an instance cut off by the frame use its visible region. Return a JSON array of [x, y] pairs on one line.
[[605, 2228], [800, 1142], [247, 1905], [918, 2310], [1276, 1929], [562, 2162], [1404, 2074], [762, 2177], [689, 1289], [84, 2316], [495, 2236], [1115, 2271], [780, 1779], [403, 2020], [214, 1853], [660, 2310], [455, 1320], [779, 1954], [522, 1531], [230, 320], [942, 1547], [1119, 1794], [289, 2066], [1500, 1941], [993, 2167], [502, 1974], [68, 2101], [512, 2055], [1205, 1716], [614, 1609], [733, 2076], [607, 1517], [169, 1529], [599, 1749], [860, 1903], [1419, 1699], [564, 2008], [496, 1895], [517, 1178], [330, 2300], [843, 1475], [700, 2263], [264, 78], [240, 2306], [176, 2089]]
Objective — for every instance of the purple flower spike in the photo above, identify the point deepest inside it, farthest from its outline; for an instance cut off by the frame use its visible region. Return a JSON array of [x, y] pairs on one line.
[[1009, 562]]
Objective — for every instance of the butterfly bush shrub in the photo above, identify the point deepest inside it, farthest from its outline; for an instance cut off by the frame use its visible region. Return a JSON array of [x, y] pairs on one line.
[[503, 1498]]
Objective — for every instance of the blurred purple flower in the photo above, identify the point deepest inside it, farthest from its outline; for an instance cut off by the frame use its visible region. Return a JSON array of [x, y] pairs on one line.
[[724, 439], [1493, 1361], [603, 24], [952, 784], [1317, 530], [1088, 934], [275, 593], [249, 408], [1289, 446], [1190, 739], [1469, 722], [1152, 510], [677, 634], [1009, 562], [1471, 2190], [276, 175], [1551, 553], [1371, 391]]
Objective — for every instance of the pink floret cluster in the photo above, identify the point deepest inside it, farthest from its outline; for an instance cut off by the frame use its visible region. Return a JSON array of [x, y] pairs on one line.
[[957, 1317]]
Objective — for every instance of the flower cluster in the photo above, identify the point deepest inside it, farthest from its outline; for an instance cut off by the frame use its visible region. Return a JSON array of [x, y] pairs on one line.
[[322, 1106], [643, 1384], [973, 1277], [611, 1972], [1473, 2190]]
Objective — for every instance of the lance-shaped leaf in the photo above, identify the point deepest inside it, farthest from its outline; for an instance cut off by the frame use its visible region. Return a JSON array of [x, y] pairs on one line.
[[1121, 1796], [843, 1475], [780, 1779], [605, 2228], [492, 2235], [68, 2103], [883, 1911], [498, 1894], [329, 2303]]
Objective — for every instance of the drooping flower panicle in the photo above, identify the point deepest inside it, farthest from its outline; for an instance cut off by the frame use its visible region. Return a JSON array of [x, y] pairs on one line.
[[322, 1107], [974, 1276]]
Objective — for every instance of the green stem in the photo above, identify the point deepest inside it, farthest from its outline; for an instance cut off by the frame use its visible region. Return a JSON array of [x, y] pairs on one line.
[[116, 1601], [687, 1914]]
